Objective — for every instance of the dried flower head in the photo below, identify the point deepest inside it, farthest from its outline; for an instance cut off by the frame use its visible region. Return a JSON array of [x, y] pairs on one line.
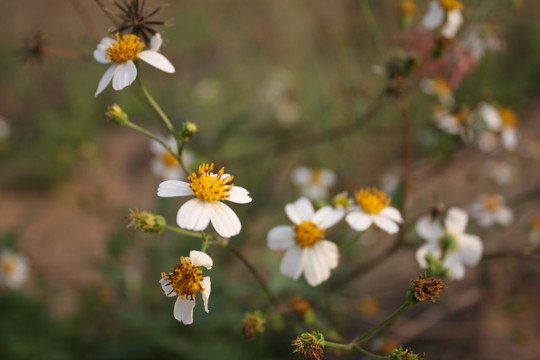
[[426, 289], [136, 19], [253, 324], [145, 221], [407, 354], [311, 345]]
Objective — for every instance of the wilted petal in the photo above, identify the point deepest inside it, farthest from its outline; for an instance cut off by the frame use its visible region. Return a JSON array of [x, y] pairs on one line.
[[224, 220], [280, 237], [206, 289], [155, 42], [193, 215], [183, 310], [171, 188], [199, 258]]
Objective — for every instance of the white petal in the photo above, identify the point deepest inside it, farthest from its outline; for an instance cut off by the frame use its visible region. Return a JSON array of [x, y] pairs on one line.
[[454, 19], [193, 215], [101, 50], [327, 217], [454, 265], [392, 213], [239, 195], [167, 288], [155, 42], [456, 220], [422, 251], [124, 75], [428, 229], [199, 258], [470, 249], [331, 252], [359, 220], [156, 60], [385, 224], [505, 216], [280, 237], [224, 220], [171, 188], [434, 17], [293, 262], [301, 176], [328, 178], [183, 310], [491, 116], [427, 86], [206, 291], [105, 79], [485, 219], [299, 211], [509, 138], [316, 268]]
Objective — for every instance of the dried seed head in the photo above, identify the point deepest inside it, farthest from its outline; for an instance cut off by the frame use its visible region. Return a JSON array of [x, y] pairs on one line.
[[426, 289]]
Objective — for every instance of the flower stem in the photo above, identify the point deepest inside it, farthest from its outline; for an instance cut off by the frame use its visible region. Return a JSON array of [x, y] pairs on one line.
[[385, 323], [275, 301], [373, 27], [183, 232], [156, 107], [205, 241], [148, 133], [354, 346]]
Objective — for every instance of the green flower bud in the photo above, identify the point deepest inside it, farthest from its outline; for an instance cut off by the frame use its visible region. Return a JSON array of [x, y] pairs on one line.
[[116, 115]]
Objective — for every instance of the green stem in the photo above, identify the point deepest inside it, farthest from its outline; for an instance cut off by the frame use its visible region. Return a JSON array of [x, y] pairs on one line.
[[183, 232], [373, 28], [329, 304], [354, 346], [205, 241], [386, 323], [149, 134], [156, 107]]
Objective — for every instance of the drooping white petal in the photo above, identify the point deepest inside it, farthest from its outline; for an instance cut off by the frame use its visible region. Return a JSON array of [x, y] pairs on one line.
[[505, 216], [293, 262], [157, 60], [316, 269], [359, 220], [470, 249], [392, 213], [183, 310], [453, 263], [299, 211], [155, 42], [428, 229], [239, 195], [167, 288], [105, 79], [490, 115], [199, 258], [422, 251], [434, 17], [224, 220], [456, 220], [385, 224], [171, 188], [509, 138], [280, 237], [454, 19], [124, 75], [327, 217], [193, 215], [206, 291]]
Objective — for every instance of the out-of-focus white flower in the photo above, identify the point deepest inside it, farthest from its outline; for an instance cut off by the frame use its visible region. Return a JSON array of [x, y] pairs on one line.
[[184, 283], [122, 53], [439, 88], [500, 120], [444, 15], [488, 210], [534, 232], [373, 206], [480, 39], [449, 242], [210, 190], [455, 123], [164, 165], [306, 250], [14, 269], [278, 96], [4, 128], [314, 183], [502, 173]]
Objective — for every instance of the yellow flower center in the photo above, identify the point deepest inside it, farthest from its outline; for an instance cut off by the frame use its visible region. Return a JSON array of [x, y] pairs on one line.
[[8, 266], [125, 49], [316, 176], [168, 159], [508, 117], [450, 5], [407, 8], [209, 186], [492, 202], [185, 279], [372, 201], [441, 86], [307, 234]]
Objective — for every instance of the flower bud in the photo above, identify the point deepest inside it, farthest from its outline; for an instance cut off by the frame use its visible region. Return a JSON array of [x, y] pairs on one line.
[[145, 221], [407, 354], [116, 115], [188, 129], [252, 325], [407, 10], [311, 345]]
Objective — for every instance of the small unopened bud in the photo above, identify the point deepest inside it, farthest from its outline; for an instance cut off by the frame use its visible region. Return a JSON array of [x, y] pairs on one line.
[[407, 354], [425, 289], [252, 325], [145, 221], [188, 129], [407, 10], [311, 345], [116, 115]]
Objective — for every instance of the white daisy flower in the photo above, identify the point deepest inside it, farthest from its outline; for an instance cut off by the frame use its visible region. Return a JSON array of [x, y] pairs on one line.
[[373, 207], [164, 165], [122, 53], [14, 269], [306, 251], [439, 88], [210, 190], [488, 210], [444, 15], [500, 120], [185, 281], [314, 183], [449, 243], [455, 123]]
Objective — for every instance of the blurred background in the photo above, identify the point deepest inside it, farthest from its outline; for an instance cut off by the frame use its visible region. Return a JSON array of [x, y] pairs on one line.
[[271, 86]]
